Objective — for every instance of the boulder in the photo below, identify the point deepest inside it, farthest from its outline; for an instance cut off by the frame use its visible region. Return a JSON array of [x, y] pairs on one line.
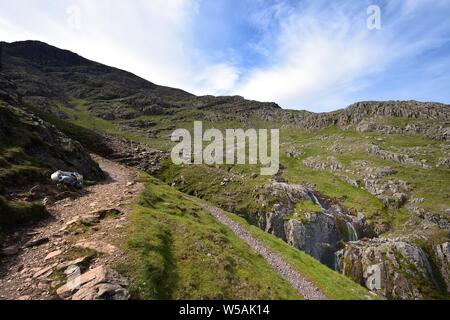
[[442, 253], [100, 283], [98, 246], [154, 109], [36, 242], [10, 251], [392, 268], [102, 291]]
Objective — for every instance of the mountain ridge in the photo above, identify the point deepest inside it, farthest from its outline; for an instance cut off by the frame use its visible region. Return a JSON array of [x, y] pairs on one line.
[[46, 55]]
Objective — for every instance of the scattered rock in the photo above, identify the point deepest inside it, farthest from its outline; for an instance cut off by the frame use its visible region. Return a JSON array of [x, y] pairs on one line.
[[102, 291], [397, 157], [293, 153], [98, 246], [444, 162], [53, 254], [316, 163], [36, 242], [392, 268], [79, 262], [46, 270], [99, 283], [10, 251]]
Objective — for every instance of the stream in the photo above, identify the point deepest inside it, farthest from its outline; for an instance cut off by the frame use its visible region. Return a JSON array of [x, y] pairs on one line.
[[350, 230]]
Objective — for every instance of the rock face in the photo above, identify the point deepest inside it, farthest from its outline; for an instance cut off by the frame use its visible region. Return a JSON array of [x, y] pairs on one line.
[[433, 131], [318, 232], [42, 142], [369, 126], [154, 109], [318, 236], [397, 157], [359, 111], [442, 253], [317, 163], [392, 268], [134, 154]]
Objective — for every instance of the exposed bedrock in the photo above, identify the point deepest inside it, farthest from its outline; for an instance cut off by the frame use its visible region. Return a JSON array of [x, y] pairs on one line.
[[394, 268], [318, 233]]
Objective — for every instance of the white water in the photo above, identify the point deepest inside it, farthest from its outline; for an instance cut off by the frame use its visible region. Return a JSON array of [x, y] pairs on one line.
[[316, 201], [336, 262], [353, 235]]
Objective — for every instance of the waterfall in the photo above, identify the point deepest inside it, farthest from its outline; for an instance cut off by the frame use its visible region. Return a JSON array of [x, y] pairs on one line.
[[316, 201], [336, 261], [353, 235]]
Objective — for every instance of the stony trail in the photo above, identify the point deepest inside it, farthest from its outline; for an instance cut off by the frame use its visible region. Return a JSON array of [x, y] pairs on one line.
[[74, 223], [30, 273], [305, 288]]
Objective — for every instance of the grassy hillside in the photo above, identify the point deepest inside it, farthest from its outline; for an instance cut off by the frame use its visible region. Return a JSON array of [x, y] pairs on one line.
[[30, 150], [179, 251]]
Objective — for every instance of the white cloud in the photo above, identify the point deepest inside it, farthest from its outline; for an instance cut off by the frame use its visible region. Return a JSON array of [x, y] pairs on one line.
[[150, 38], [217, 79], [322, 54], [315, 55]]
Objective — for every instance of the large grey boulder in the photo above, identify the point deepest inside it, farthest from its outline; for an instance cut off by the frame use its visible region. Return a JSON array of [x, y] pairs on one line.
[[392, 268]]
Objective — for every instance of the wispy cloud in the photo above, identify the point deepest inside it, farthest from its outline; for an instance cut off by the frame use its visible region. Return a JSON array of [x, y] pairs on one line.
[[323, 54]]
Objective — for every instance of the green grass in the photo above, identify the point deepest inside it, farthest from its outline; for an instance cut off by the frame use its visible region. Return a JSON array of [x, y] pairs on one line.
[[17, 213], [80, 116], [334, 285], [178, 251]]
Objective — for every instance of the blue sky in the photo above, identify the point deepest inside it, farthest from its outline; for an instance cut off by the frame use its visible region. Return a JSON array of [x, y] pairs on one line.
[[307, 54]]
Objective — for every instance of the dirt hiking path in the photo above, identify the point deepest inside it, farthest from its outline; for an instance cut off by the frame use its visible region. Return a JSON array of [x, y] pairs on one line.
[[80, 242]]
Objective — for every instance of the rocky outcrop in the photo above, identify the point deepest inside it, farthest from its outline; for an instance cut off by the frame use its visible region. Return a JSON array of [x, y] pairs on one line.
[[372, 126], [391, 192], [396, 157], [363, 115], [134, 154], [316, 163], [154, 109], [317, 232], [441, 221], [100, 283], [360, 111], [317, 235], [433, 131], [442, 254], [44, 143], [140, 123], [392, 268]]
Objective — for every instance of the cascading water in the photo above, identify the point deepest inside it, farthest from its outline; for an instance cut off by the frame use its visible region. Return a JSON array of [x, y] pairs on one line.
[[336, 262], [316, 201], [353, 235]]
